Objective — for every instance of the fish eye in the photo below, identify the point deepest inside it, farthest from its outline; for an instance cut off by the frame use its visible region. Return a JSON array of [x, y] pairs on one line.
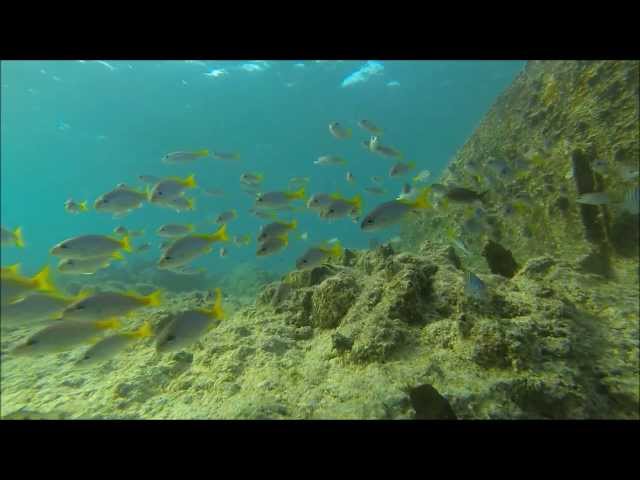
[[63, 246], [370, 220], [160, 193], [304, 260], [331, 210], [167, 258], [80, 307]]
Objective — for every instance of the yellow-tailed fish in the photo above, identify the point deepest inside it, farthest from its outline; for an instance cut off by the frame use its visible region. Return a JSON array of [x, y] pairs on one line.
[[185, 249], [86, 266], [110, 346], [74, 207], [188, 326], [36, 307], [11, 238], [272, 245], [170, 188], [276, 229], [14, 286], [86, 246], [338, 131], [120, 201], [370, 127], [178, 158], [174, 230], [275, 199], [103, 305], [390, 213], [316, 256]]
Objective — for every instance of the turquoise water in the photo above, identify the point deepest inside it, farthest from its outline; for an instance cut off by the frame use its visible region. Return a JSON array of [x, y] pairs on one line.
[[76, 129]]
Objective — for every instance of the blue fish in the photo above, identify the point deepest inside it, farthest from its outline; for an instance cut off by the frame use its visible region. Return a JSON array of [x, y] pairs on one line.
[[474, 287]]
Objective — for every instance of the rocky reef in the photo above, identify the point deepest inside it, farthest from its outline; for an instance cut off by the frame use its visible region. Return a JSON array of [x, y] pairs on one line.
[[378, 334]]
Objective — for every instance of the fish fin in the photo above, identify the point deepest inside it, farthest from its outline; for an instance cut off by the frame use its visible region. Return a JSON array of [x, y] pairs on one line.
[[190, 181], [349, 132], [259, 176], [216, 311], [154, 298], [17, 233], [147, 191], [108, 324], [335, 250], [143, 332], [43, 280], [83, 206], [284, 238], [117, 255], [235, 156], [83, 293], [422, 201], [191, 226], [192, 203], [298, 194], [221, 234], [411, 165], [202, 153], [356, 201], [335, 196], [293, 225], [94, 340]]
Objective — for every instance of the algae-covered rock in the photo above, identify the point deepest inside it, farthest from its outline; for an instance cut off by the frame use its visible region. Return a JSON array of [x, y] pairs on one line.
[[332, 299]]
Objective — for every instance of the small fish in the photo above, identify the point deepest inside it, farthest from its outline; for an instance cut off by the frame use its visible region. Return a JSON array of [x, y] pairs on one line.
[[272, 245], [631, 201], [86, 246], [374, 190], [341, 207], [120, 201], [37, 307], [179, 158], [110, 346], [629, 173], [273, 199], [276, 229], [370, 127], [74, 207], [593, 198], [460, 245], [330, 160], [223, 252], [184, 270], [319, 200], [170, 188], [474, 287], [174, 230], [213, 192], [263, 214], [242, 240], [11, 238], [408, 193], [226, 155], [316, 256], [92, 307], [401, 169], [63, 335], [600, 166], [143, 248], [422, 177], [189, 247], [339, 131], [188, 326], [180, 204], [386, 151], [390, 213], [14, 286], [252, 178], [150, 179], [120, 230], [350, 177], [86, 266], [226, 217], [464, 195], [298, 181]]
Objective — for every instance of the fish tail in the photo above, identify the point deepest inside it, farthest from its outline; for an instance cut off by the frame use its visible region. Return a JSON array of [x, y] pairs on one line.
[[335, 250], [220, 235], [42, 280], [12, 269], [117, 255], [143, 332], [285, 239], [411, 165], [293, 225], [126, 243], [235, 156], [217, 305], [259, 176], [190, 181], [423, 199], [298, 194], [192, 203], [357, 202], [108, 324], [202, 153], [17, 234], [83, 206], [191, 227], [154, 298]]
